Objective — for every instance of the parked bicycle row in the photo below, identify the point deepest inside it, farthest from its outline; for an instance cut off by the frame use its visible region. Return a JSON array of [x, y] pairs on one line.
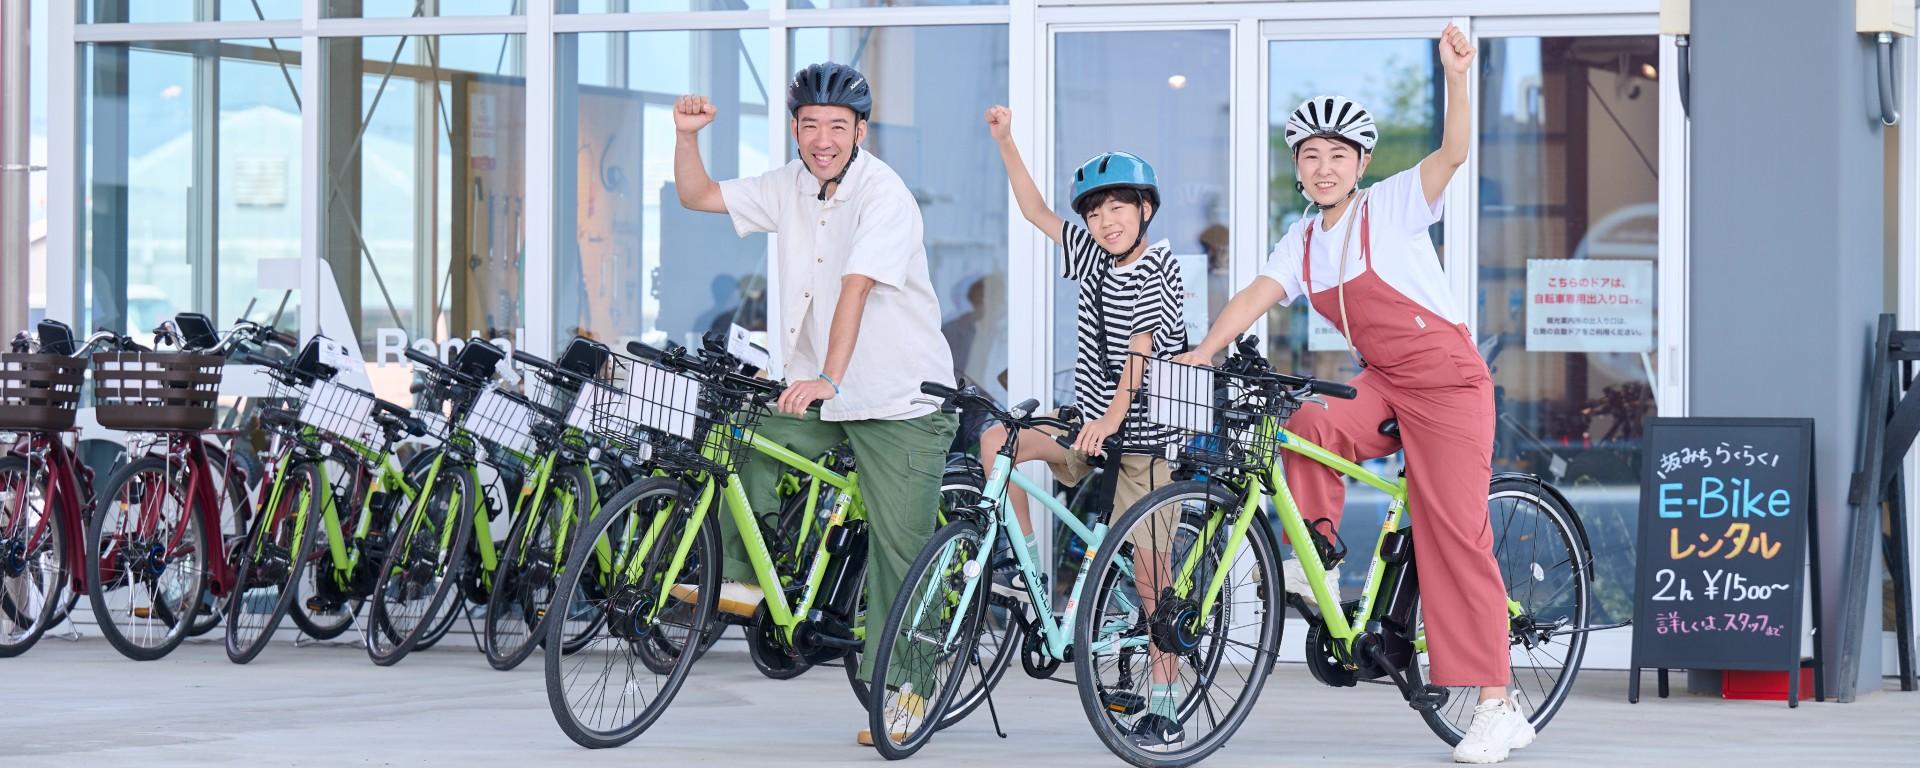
[[619, 471]]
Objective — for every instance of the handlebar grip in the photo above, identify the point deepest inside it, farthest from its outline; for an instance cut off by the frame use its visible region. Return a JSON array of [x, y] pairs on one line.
[[250, 358], [424, 358], [391, 409], [414, 425], [643, 351], [281, 338], [1330, 389], [533, 360], [936, 389], [276, 418]]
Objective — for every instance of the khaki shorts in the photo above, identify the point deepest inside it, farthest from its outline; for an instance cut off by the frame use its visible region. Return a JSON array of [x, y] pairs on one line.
[[1139, 475]]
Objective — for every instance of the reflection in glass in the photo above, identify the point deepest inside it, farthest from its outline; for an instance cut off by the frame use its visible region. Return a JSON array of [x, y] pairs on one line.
[[424, 143], [142, 11], [930, 87], [655, 6], [1175, 117], [191, 154], [390, 8], [1569, 191], [631, 263]]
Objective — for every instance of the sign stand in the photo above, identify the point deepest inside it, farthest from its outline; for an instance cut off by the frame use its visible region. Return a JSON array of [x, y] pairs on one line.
[[1727, 532]]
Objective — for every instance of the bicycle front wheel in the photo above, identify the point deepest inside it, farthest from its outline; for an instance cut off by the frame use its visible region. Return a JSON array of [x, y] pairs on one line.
[[523, 585], [1166, 675], [422, 568], [928, 640], [147, 559], [1547, 570], [606, 693], [270, 562], [33, 556]]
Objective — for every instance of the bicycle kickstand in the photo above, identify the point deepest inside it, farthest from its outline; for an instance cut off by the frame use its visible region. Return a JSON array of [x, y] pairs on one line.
[[991, 712]]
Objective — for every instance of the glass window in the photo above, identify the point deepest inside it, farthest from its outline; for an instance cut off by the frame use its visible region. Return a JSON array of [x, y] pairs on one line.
[[885, 3], [37, 156], [1568, 244], [1176, 117], [424, 145], [138, 11], [645, 6], [391, 8], [631, 263], [930, 87], [176, 218]]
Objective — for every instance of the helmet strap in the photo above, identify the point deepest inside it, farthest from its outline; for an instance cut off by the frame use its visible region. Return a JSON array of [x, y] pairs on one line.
[[855, 155]]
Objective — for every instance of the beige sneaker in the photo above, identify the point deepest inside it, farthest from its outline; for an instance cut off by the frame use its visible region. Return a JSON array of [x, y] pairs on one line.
[[1499, 727], [906, 711], [736, 599], [1295, 576]]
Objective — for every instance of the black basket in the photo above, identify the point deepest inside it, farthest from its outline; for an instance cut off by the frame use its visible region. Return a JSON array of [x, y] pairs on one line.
[[670, 419], [340, 412], [1208, 416]]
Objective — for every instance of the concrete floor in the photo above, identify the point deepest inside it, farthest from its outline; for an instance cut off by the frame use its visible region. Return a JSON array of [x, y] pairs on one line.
[[79, 703]]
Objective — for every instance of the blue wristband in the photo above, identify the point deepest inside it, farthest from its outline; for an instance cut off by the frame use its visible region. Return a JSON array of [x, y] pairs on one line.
[[832, 383]]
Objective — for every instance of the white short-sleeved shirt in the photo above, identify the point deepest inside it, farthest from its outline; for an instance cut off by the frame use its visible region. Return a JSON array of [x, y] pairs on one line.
[[870, 226], [1402, 252]]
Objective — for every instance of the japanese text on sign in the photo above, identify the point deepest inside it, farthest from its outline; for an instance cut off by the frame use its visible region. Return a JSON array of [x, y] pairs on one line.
[[1584, 305]]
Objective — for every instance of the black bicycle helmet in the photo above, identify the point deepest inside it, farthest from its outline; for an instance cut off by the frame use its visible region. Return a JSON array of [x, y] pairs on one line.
[[830, 84]]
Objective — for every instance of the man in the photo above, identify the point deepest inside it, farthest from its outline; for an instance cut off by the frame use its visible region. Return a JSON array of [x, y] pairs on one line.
[[859, 324]]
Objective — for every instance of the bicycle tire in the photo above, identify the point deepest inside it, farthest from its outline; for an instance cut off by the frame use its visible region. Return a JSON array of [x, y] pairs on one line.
[[133, 634], [30, 600], [420, 563], [933, 583], [523, 583], [289, 529]]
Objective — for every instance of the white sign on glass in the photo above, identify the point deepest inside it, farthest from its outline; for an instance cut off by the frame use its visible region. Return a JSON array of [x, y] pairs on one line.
[[1588, 305]]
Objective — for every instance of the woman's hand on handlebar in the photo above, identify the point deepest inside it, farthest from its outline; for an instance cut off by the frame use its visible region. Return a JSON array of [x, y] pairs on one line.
[[801, 394], [1094, 434]]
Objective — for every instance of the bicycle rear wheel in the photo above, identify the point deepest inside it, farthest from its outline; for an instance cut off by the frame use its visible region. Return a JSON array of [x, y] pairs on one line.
[[420, 574], [146, 564], [34, 572], [270, 562], [1544, 562], [605, 694], [1163, 682], [524, 583]]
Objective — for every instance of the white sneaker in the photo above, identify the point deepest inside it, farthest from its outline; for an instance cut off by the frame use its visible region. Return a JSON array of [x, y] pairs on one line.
[[1499, 727], [1296, 577]]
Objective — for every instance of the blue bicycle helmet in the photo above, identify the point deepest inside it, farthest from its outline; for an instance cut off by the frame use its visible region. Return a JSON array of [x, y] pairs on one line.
[[1110, 170]]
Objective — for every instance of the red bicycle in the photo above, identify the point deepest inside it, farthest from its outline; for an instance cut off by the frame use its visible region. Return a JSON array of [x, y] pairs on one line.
[[158, 565]]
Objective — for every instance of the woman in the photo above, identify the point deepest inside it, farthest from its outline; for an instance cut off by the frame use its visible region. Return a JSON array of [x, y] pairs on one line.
[[1366, 264]]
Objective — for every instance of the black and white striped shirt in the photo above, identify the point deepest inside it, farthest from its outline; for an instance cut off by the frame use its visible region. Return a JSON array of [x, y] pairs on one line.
[[1116, 304]]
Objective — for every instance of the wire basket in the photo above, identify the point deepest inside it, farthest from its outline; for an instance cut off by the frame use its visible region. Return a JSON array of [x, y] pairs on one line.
[[671, 419], [1207, 416], [340, 412], [39, 393], [156, 391], [504, 422]]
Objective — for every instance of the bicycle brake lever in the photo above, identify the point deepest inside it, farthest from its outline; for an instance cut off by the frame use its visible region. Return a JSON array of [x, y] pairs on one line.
[[1316, 400], [928, 401]]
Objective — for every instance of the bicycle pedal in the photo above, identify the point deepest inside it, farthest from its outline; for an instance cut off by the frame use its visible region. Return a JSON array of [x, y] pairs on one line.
[[1124, 703], [1429, 698]]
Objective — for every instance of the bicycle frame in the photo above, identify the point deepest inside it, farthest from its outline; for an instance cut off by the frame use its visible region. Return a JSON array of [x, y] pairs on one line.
[[848, 506], [63, 502]]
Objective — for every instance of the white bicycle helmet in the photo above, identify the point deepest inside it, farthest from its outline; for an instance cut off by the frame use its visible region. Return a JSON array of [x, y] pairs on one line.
[[1335, 117]]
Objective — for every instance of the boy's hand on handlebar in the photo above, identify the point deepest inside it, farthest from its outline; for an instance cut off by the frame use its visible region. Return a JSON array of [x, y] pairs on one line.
[[801, 394], [1094, 434], [1194, 358]]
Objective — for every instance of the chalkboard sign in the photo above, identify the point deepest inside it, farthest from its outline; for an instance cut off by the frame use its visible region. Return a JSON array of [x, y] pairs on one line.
[[1726, 508]]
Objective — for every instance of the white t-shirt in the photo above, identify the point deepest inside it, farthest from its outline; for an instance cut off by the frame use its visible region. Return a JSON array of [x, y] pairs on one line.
[[1402, 252], [870, 226]]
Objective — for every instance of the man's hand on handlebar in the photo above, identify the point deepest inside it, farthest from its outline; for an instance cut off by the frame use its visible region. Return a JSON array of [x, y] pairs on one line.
[[801, 394]]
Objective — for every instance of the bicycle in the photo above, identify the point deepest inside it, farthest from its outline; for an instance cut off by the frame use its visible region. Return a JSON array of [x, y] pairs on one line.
[[46, 491], [947, 602], [280, 559], [157, 566], [1216, 574], [692, 416]]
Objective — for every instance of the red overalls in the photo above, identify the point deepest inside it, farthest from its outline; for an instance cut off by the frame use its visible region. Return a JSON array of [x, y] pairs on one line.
[[1426, 372]]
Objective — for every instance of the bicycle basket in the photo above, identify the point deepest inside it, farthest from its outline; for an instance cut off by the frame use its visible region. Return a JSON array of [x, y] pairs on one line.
[[156, 391], [340, 412], [39, 392], [668, 417], [1206, 415], [504, 422]]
